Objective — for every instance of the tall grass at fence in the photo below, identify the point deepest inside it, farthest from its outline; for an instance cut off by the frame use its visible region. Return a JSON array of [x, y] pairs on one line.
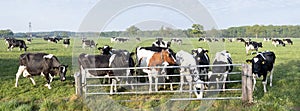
[[282, 96]]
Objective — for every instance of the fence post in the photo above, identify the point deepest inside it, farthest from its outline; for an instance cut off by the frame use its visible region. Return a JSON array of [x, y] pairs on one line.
[[78, 83], [247, 91]]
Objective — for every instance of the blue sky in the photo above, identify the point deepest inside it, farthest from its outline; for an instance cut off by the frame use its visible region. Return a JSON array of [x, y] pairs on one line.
[[50, 15]]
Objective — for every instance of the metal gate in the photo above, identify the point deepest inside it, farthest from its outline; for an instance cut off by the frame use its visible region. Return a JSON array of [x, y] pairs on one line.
[[97, 85]]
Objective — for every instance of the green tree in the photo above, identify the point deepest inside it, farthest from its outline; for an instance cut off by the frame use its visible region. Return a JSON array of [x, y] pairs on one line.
[[197, 30], [132, 30], [6, 33]]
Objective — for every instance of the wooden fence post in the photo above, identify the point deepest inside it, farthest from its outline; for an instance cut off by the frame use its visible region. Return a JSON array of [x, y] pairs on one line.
[[247, 91], [78, 83]]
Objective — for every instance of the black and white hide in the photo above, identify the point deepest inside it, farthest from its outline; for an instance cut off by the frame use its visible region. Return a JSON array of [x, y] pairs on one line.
[[186, 59], [34, 64], [263, 63], [221, 58]]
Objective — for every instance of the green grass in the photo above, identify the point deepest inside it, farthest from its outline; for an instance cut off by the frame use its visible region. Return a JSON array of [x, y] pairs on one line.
[[282, 96]]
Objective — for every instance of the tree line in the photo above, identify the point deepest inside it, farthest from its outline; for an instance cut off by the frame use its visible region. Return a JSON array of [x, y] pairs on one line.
[[257, 31], [196, 30]]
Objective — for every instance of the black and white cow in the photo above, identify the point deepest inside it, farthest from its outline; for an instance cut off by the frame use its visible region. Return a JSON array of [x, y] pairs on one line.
[[201, 39], [114, 59], [16, 43], [207, 40], [154, 56], [119, 39], [161, 43], [240, 40], [53, 39], [29, 40], [138, 39], [287, 41], [177, 40], [263, 63], [33, 64], [223, 39], [222, 57], [267, 39], [202, 58], [184, 58], [277, 42], [66, 42], [88, 43], [252, 45]]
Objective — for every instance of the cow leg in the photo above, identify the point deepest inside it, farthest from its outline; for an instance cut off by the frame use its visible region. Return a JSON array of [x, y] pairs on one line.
[[271, 77], [51, 78], [181, 81], [20, 71], [32, 80], [224, 80], [254, 82], [48, 80], [265, 83], [156, 82], [113, 86], [150, 82]]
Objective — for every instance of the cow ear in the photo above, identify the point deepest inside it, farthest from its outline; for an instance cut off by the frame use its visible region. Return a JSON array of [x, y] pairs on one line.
[[248, 61], [206, 51], [100, 48]]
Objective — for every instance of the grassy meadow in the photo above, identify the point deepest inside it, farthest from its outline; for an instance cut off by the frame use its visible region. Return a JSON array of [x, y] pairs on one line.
[[26, 97]]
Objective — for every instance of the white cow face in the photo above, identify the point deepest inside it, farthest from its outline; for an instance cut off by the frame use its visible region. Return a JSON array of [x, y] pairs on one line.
[[62, 72]]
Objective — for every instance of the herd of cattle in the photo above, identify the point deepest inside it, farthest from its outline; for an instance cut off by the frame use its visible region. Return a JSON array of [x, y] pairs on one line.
[[159, 54]]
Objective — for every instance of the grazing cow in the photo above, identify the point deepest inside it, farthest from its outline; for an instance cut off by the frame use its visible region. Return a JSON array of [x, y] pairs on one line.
[[222, 57], [263, 63], [29, 40], [223, 39], [201, 39], [267, 39], [161, 43], [287, 41], [186, 59], [53, 39], [215, 39], [151, 57], [202, 58], [240, 40], [207, 40], [119, 39], [252, 45], [176, 40], [16, 43], [66, 42], [46, 38], [277, 42], [88, 43], [138, 39], [33, 64], [117, 59]]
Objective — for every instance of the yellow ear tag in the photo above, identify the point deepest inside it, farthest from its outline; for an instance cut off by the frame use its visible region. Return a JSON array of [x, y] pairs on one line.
[[263, 62]]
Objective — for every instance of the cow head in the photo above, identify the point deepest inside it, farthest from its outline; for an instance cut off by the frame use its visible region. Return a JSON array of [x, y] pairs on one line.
[[257, 64], [168, 57], [62, 72], [200, 55], [106, 50]]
